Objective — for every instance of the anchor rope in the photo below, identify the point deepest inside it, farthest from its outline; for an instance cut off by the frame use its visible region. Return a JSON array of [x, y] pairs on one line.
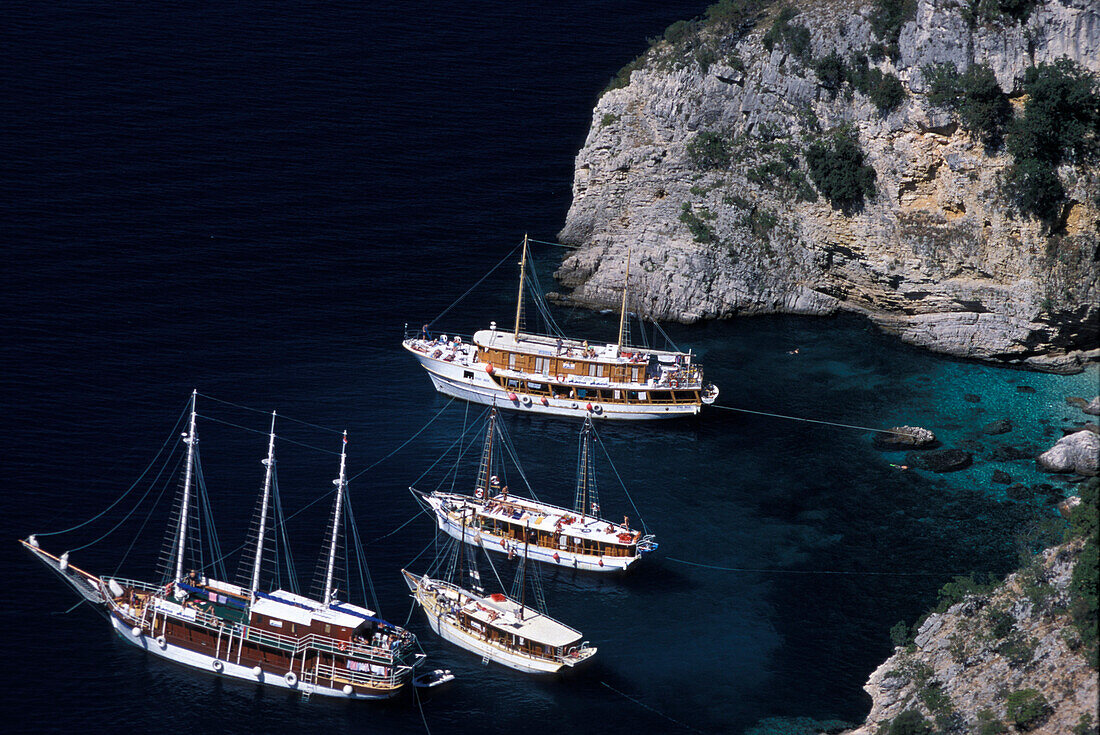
[[811, 421], [637, 513], [807, 571], [654, 711]]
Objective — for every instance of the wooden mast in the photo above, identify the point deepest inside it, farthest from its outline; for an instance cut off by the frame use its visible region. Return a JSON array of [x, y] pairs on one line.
[[190, 440], [269, 462], [523, 569], [622, 311], [519, 298], [340, 483]]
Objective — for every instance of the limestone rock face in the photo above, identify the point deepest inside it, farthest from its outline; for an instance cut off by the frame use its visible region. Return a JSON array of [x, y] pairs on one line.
[[1078, 452], [938, 256], [971, 657]]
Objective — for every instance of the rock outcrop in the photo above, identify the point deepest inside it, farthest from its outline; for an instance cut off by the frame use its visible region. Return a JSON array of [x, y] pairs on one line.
[[937, 256], [966, 664], [1077, 452]]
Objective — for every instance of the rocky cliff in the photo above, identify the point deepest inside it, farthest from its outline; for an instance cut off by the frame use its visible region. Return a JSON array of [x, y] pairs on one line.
[[937, 255], [1009, 656]]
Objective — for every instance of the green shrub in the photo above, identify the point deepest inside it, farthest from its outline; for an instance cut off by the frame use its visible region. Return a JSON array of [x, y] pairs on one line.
[[1084, 725], [1060, 124], [960, 588], [988, 724], [700, 230], [975, 96], [1000, 623], [885, 90], [888, 18], [622, 77], [831, 71], [1025, 708], [678, 31], [735, 13], [909, 722], [796, 37], [837, 170], [899, 634], [709, 150]]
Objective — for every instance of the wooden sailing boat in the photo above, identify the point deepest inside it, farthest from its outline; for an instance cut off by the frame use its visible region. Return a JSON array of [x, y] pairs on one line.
[[564, 376], [502, 522], [497, 627], [281, 639]]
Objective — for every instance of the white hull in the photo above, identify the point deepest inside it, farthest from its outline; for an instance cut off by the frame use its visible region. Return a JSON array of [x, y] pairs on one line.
[[453, 634], [567, 559], [472, 383], [229, 669]]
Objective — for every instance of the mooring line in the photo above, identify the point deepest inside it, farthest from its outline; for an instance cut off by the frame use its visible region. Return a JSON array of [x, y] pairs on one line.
[[808, 571], [654, 711], [811, 421]]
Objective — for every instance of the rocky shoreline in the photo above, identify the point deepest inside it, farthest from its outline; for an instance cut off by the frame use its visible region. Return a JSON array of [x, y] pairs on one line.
[[936, 256]]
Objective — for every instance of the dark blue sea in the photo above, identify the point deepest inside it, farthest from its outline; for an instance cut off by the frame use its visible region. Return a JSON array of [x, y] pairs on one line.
[[253, 199]]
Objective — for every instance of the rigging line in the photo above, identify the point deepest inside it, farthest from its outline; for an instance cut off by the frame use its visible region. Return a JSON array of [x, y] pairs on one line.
[[282, 417], [454, 303], [404, 443], [129, 489], [474, 433], [465, 416], [152, 510], [82, 601], [607, 454], [646, 706], [811, 421], [510, 448], [265, 433], [132, 510], [554, 244], [380, 538], [808, 571]]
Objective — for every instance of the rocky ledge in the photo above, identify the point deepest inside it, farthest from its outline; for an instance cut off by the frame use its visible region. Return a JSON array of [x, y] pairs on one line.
[[1010, 655], [936, 255]]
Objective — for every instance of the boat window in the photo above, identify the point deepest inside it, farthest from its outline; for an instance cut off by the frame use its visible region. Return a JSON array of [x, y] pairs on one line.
[[599, 370], [618, 395], [592, 369], [513, 383], [631, 395], [511, 361], [662, 395], [467, 374]]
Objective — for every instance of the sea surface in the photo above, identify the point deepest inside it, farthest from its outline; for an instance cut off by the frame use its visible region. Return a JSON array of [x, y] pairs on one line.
[[253, 199]]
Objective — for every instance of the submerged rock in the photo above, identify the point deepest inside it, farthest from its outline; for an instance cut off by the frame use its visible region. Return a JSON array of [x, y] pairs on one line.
[[940, 460], [1001, 477], [1079, 452], [972, 398], [1000, 426], [1024, 389]]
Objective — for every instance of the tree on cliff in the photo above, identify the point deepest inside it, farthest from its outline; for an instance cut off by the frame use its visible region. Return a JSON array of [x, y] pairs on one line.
[[837, 169]]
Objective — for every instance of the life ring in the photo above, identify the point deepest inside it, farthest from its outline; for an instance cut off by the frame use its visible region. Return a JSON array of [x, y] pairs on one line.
[[162, 642], [561, 378], [526, 400], [597, 409], [217, 665], [675, 383], [479, 493], [291, 679], [626, 538], [342, 645]]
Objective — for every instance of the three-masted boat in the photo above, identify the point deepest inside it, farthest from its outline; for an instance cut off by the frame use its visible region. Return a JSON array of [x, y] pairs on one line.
[[499, 521], [277, 638], [563, 376]]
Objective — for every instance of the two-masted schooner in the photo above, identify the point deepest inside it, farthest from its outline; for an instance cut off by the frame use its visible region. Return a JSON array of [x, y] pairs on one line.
[[563, 376], [497, 520], [276, 638]]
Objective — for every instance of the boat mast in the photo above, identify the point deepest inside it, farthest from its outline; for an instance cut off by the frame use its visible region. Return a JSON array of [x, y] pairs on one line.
[[622, 311], [270, 464], [580, 504], [190, 439], [487, 455], [519, 298], [523, 568], [340, 483]]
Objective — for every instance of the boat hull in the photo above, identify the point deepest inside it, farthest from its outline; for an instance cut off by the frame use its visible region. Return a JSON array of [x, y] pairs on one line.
[[228, 669], [472, 383]]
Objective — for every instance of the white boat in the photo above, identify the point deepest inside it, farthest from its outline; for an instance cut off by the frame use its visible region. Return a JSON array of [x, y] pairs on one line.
[[433, 679], [275, 638], [496, 520], [562, 376]]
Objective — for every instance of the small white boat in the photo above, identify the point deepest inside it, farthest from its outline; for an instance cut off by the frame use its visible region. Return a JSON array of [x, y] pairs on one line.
[[433, 679]]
